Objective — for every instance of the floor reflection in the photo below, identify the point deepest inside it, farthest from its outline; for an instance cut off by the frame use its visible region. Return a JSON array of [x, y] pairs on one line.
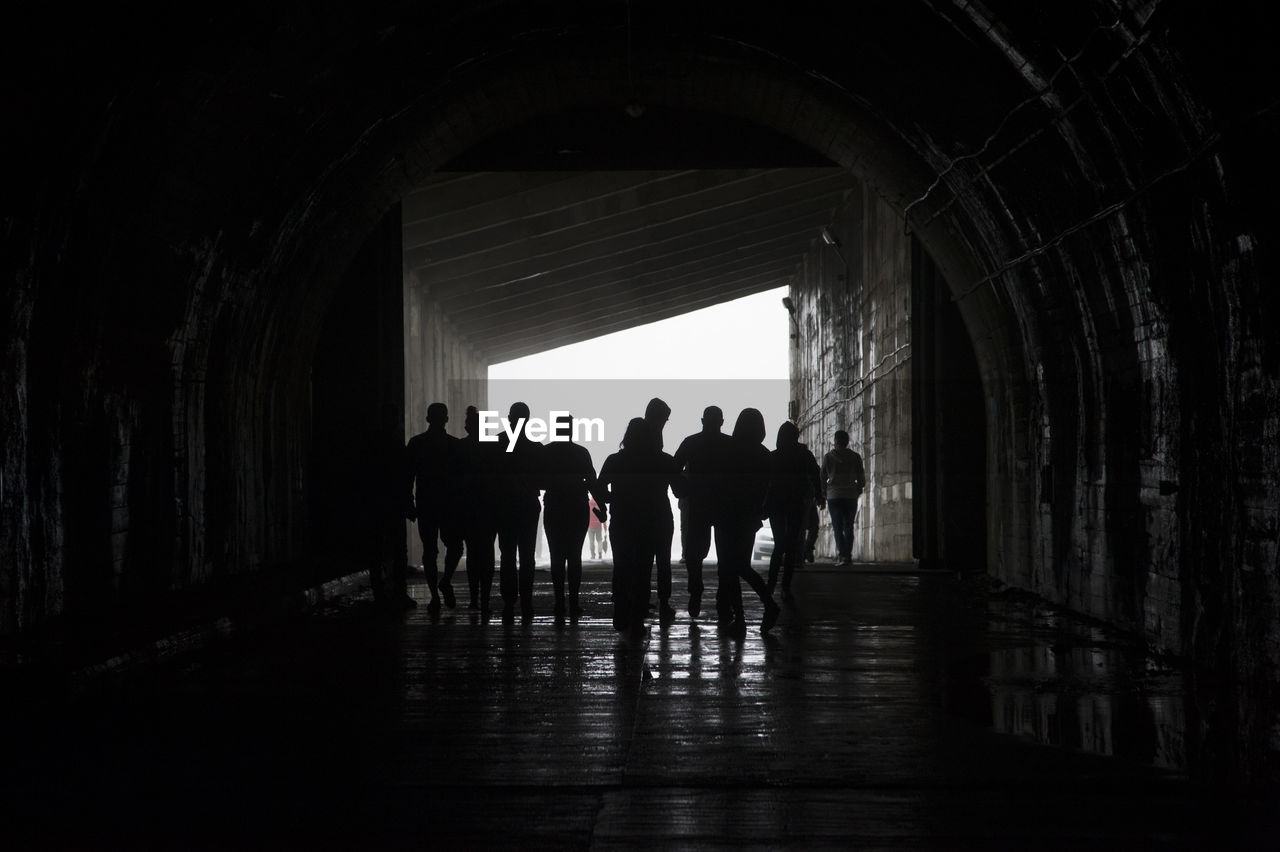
[[1066, 683]]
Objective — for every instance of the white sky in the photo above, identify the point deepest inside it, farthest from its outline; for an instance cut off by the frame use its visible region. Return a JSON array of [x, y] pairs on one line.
[[743, 339], [732, 355]]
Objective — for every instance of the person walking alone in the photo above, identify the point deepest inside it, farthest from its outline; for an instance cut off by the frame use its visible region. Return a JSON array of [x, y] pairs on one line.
[[843, 478]]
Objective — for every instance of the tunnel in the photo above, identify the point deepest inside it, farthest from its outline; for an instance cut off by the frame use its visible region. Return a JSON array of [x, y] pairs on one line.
[[1026, 252]]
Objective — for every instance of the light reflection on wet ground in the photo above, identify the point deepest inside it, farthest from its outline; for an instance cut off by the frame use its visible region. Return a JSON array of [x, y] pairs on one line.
[[887, 708]]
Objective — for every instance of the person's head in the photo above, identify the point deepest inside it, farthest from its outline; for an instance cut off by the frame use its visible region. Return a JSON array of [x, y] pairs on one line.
[[517, 412], [788, 435], [657, 413], [638, 437], [562, 429], [841, 439], [750, 426], [437, 414], [471, 420], [712, 418]]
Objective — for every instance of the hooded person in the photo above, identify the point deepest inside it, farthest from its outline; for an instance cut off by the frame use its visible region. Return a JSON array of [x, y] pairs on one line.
[[795, 485]]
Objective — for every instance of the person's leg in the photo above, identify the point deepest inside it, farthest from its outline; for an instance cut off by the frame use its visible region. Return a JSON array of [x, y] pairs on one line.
[[849, 508], [697, 546], [794, 523], [488, 530], [810, 532], [428, 531], [777, 523], [642, 581], [836, 506], [621, 585], [662, 560], [451, 535], [728, 591], [472, 541], [508, 538], [553, 521], [528, 541], [575, 535]]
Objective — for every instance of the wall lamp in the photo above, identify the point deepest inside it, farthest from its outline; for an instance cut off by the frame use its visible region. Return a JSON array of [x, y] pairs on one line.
[[830, 239], [791, 311]]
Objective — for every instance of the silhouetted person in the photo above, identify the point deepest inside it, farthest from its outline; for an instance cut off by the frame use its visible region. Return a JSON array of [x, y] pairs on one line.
[[742, 483], [431, 458], [795, 485], [843, 477], [475, 500], [656, 415], [697, 457], [569, 476], [634, 481], [383, 499], [517, 481]]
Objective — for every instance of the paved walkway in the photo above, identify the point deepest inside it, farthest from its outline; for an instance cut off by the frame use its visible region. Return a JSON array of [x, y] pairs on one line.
[[888, 709]]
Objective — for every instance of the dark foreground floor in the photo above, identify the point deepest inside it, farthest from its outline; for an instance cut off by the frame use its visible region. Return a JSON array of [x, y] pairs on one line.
[[888, 709]]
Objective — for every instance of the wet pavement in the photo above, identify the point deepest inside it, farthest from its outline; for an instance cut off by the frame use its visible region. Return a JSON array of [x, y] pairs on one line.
[[889, 708]]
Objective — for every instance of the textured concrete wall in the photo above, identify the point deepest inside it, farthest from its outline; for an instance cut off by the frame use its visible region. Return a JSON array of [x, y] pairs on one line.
[[441, 365], [850, 365]]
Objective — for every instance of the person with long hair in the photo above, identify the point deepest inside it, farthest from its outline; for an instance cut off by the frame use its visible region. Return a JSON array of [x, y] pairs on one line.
[[634, 482], [742, 480]]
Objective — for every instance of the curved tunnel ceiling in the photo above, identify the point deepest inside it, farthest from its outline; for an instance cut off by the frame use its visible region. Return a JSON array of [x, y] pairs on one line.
[[526, 261]]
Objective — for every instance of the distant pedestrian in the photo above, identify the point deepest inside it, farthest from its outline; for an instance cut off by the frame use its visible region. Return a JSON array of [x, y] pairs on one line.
[[844, 479]]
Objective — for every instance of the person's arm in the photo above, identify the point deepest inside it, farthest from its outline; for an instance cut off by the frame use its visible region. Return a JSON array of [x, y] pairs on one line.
[[682, 454], [825, 474], [676, 479], [815, 479], [602, 493], [593, 486], [859, 475]]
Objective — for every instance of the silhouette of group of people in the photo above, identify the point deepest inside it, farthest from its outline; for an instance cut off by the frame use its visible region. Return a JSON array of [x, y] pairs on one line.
[[465, 492]]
